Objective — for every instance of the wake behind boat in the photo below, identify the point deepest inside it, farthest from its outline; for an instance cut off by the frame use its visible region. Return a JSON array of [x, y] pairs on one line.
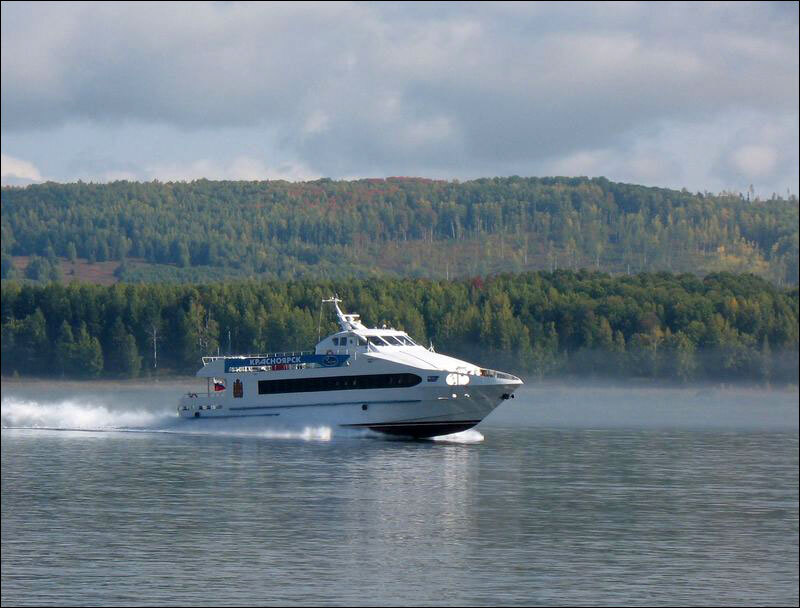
[[378, 379]]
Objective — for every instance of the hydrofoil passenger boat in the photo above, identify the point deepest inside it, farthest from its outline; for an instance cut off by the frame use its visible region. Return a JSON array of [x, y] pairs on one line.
[[378, 379]]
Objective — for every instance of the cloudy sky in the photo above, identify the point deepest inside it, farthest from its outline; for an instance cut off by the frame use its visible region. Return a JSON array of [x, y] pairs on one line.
[[703, 96]]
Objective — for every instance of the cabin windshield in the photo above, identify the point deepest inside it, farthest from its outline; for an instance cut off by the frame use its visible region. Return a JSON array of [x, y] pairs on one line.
[[393, 340], [404, 339], [376, 341]]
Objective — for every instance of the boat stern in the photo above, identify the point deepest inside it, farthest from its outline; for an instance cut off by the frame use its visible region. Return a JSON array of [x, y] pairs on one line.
[[199, 405]]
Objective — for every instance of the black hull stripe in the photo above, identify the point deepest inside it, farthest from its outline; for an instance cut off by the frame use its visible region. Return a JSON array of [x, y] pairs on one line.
[[217, 416], [411, 423], [419, 430]]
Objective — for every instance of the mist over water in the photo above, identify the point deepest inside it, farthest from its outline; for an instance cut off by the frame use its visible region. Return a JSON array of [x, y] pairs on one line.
[[709, 407], [58, 406], [568, 494], [134, 405]]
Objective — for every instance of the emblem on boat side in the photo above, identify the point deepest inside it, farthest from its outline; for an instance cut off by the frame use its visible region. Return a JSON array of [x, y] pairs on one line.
[[330, 361]]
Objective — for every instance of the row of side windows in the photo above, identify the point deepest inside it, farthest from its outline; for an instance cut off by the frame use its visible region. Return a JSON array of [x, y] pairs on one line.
[[343, 341], [337, 383]]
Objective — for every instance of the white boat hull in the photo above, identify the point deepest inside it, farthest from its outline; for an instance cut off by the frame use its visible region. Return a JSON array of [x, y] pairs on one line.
[[414, 412], [377, 379]]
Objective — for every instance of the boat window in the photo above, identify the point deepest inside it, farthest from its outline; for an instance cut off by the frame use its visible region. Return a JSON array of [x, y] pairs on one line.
[[337, 383], [393, 340], [362, 341], [406, 340], [376, 341]]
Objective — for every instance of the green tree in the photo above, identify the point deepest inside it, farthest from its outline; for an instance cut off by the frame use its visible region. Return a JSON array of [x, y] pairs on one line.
[[123, 356], [88, 354], [7, 270], [681, 360], [65, 349]]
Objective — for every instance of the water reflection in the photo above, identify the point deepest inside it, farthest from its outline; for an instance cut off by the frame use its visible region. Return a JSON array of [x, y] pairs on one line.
[[529, 515]]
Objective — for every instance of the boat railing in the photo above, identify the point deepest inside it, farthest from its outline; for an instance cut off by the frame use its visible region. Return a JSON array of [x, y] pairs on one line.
[[493, 373], [294, 353]]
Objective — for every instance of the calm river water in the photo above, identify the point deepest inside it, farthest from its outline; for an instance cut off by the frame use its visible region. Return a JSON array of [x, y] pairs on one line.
[[565, 495]]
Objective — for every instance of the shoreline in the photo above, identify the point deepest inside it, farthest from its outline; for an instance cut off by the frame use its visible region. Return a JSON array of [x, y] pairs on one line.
[[578, 382]]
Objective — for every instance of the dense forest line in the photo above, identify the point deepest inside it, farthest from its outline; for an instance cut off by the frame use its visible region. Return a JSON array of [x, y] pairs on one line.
[[723, 327], [208, 230]]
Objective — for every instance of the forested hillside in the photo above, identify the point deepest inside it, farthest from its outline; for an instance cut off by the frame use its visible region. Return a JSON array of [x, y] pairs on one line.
[[723, 327], [206, 230]]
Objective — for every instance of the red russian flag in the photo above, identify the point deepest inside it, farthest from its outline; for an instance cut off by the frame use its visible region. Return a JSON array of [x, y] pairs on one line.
[[219, 386]]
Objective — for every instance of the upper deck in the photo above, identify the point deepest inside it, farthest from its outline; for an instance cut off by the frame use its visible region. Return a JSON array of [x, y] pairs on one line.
[[347, 347], [216, 366]]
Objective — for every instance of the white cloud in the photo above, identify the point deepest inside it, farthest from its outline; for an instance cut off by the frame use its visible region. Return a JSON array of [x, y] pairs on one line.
[[15, 170], [585, 162], [241, 168], [755, 161], [116, 175], [438, 89], [699, 155], [317, 122], [428, 131]]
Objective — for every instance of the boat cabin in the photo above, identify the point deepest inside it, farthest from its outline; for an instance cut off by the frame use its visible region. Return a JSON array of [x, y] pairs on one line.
[[351, 342]]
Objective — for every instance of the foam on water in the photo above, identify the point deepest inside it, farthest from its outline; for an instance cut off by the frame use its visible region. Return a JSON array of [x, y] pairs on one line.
[[102, 415], [94, 415], [85, 415], [468, 436], [70, 414]]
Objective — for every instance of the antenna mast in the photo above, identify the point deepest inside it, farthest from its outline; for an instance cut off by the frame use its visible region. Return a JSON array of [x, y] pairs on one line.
[[346, 322]]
